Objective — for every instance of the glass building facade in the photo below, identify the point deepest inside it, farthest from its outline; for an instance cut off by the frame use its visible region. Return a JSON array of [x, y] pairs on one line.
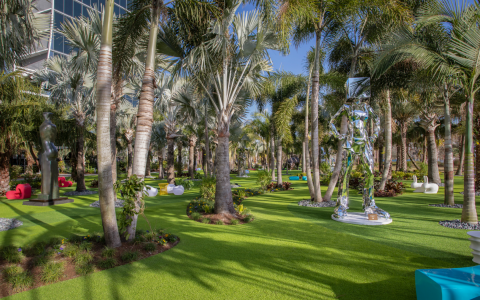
[[59, 12]]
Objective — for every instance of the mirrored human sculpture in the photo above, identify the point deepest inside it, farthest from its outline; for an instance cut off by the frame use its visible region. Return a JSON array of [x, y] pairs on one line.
[[48, 159], [357, 143]]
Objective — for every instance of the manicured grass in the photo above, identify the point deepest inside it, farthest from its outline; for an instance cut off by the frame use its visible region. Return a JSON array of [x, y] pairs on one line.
[[286, 252]]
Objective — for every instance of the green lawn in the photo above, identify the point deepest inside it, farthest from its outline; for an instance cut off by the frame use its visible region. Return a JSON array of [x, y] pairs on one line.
[[287, 252]]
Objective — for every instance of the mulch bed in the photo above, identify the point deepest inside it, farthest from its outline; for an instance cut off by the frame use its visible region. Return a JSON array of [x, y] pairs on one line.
[[69, 265], [226, 219]]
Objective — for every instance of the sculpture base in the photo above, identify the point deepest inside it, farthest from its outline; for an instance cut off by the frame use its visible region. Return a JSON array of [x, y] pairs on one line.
[[41, 202], [361, 219]]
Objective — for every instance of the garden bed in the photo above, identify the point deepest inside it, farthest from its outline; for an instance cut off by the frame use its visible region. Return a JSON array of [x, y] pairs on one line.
[[42, 264], [222, 219]]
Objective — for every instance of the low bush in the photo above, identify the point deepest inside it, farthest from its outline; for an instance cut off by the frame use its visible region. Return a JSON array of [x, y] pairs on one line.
[[195, 216], [248, 219], [35, 249], [94, 184], [84, 269], [40, 260], [52, 271], [149, 247], [83, 258], [129, 256], [206, 220], [208, 188], [219, 222], [263, 179], [18, 278], [11, 254], [107, 263], [234, 222], [87, 246], [108, 252], [186, 183], [200, 206]]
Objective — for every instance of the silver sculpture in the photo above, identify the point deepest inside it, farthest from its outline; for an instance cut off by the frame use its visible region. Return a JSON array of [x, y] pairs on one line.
[[357, 142]]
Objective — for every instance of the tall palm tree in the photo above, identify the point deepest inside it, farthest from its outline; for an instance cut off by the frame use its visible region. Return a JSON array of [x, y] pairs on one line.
[[104, 85], [127, 115], [234, 58]]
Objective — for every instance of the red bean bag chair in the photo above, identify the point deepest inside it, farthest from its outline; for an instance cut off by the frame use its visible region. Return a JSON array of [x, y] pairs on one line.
[[63, 183], [23, 191]]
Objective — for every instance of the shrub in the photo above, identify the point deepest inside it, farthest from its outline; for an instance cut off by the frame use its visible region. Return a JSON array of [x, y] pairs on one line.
[[206, 220], [238, 196], [71, 251], [129, 256], [208, 188], [198, 175], [12, 254], [423, 169], [61, 166], [408, 176], [170, 237], [149, 247], [87, 246], [286, 185], [263, 179], [195, 216], [18, 278], [94, 184], [84, 269], [15, 172], [325, 169], [56, 241], [52, 272], [162, 241], [35, 249], [83, 258], [186, 183], [200, 206], [76, 239], [107, 263], [40, 260], [219, 222], [234, 222], [248, 219], [398, 175], [108, 252], [149, 236], [34, 180]]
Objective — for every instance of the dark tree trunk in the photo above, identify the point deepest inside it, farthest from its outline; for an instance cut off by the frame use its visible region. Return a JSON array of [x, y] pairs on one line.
[[130, 159], [433, 173], [424, 159], [399, 158], [403, 156], [387, 169], [461, 159], [272, 152], [223, 193], [170, 158], [80, 163], [147, 166], [380, 158], [73, 163], [338, 163], [4, 172], [179, 158], [279, 162], [191, 158], [448, 161]]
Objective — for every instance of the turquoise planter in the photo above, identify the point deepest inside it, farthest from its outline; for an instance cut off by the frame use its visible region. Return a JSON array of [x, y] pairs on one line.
[[448, 284]]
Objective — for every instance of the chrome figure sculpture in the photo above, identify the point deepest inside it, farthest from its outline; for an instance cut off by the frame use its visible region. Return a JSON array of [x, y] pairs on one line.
[[356, 142]]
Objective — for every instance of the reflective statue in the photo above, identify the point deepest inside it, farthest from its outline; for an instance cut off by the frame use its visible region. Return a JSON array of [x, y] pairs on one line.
[[357, 142], [48, 159]]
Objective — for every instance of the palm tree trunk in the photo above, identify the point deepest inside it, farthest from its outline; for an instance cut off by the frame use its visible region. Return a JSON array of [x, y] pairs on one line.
[[469, 211], [145, 105], [80, 161], [388, 142], [160, 166], [448, 162], [462, 156], [403, 157], [4, 172], [304, 170], [191, 157], [113, 138], [399, 158], [147, 167], [380, 157], [433, 172], [279, 162], [223, 193], [206, 169], [170, 159], [272, 152], [306, 148], [424, 159], [315, 94], [104, 86], [130, 159], [179, 158], [338, 163]]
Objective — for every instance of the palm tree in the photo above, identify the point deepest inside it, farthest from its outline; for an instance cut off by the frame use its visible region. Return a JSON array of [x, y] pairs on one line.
[[67, 85], [104, 85], [234, 71], [22, 30], [127, 115], [404, 113], [159, 141]]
